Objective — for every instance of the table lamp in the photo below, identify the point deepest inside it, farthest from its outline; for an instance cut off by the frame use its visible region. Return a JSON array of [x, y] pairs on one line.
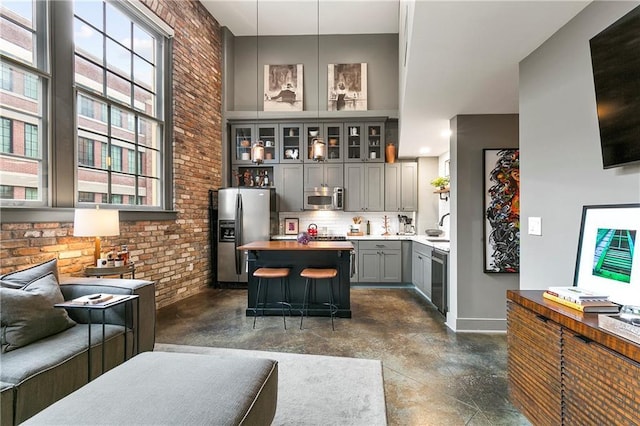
[[96, 223]]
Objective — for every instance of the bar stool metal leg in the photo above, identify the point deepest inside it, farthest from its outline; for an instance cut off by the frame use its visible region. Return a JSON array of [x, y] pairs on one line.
[[305, 301], [255, 309], [285, 300]]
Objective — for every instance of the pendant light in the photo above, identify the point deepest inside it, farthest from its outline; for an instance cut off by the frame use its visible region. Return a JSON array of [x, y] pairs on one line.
[[318, 147], [257, 152]]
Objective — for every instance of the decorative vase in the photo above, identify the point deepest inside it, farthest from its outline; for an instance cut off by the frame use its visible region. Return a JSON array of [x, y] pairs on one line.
[[390, 153]]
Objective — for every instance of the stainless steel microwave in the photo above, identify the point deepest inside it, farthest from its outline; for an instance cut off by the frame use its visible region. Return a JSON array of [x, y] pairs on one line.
[[324, 198]]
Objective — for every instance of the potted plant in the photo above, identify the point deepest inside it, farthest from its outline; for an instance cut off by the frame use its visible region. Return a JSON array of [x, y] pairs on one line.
[[440, 182]]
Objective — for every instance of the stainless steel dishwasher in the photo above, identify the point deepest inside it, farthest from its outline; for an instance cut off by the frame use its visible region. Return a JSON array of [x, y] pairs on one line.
[[439, 279]]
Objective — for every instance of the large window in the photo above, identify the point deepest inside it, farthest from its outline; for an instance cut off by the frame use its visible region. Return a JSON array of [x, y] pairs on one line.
[[23, 102], [119, 82], [119, 76]]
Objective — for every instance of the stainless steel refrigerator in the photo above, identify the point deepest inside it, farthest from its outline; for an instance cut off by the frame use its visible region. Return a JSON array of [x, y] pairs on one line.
[[244, 215]]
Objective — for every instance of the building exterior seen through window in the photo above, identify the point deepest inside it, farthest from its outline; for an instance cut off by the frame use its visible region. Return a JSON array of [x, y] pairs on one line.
[[119, 112], [22, 104]]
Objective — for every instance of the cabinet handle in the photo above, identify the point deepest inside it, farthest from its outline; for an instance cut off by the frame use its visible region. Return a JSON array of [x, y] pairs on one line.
[[583, 339], [420, 257]]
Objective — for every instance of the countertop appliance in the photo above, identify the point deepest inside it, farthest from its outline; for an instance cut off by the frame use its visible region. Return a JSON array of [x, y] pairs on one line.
[[439, 280], [244, 215], [324, 198]]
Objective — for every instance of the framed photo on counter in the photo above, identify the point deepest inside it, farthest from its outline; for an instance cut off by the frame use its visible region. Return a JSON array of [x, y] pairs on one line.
[[291, 226]]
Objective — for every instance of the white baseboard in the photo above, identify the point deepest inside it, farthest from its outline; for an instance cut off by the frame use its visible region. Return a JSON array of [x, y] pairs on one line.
[[478, 325]]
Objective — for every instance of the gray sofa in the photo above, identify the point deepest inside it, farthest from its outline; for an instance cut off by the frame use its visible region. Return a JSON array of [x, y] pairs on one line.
[[36, 370]]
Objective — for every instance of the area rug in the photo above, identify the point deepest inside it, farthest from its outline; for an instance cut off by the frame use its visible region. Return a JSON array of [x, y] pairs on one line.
[[317, 390]]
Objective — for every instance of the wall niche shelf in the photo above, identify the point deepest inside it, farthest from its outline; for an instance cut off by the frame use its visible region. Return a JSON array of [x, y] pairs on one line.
[[443, 193]]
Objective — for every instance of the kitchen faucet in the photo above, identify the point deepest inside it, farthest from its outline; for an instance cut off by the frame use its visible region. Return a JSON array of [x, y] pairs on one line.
[[442, 219]]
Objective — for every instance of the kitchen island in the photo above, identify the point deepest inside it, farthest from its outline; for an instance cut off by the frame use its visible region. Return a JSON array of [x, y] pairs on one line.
[[296, 256]]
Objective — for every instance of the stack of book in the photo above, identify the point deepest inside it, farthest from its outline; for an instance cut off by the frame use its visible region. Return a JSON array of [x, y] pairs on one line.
[[581, 300]]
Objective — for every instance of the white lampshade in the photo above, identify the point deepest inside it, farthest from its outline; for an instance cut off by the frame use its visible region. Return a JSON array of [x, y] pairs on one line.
[[96, 223]]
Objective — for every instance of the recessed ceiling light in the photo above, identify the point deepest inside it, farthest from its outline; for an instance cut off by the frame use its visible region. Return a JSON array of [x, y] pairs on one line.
[[425, 150], [446, 133]]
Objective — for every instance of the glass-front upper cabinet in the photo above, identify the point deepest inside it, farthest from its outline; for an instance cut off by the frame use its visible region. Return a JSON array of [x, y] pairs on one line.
[[242, 138], [374, 142], [354, 148], [291, 137], [311, 132], [268, 134], [334, 141]]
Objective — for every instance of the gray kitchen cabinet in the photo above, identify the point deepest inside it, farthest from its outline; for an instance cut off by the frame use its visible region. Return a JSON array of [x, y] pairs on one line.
[[401, 186], [421, 268], [364, 187], [374, 142], [323, 174], [380, 261], [289, 187], [355, 265], [331, 134], [291, 147], [364, 142]]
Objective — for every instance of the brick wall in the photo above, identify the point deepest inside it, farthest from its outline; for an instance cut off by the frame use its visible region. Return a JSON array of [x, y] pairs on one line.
[[175, 254]]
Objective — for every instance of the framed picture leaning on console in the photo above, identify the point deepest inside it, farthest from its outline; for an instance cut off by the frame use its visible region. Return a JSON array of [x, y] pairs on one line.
[[608, 261]]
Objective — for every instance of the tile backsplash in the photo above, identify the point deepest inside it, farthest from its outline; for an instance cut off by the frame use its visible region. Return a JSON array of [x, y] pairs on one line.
[[338, 222]]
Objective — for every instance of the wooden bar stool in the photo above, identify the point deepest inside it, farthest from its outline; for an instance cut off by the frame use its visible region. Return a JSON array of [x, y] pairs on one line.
[[267, 274], [312, 275]]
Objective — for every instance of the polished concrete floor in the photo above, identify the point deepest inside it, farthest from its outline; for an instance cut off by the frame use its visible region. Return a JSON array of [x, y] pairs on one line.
[[432, 376]]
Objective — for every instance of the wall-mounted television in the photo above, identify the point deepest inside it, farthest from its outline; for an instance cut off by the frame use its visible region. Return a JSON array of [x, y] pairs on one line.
[[615, 59]]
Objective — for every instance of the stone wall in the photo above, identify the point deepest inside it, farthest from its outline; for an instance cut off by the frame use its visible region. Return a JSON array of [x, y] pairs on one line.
[[175, 254]]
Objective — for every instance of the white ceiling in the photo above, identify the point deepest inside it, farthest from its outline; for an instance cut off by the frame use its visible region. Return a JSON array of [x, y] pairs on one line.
[[462, 55]]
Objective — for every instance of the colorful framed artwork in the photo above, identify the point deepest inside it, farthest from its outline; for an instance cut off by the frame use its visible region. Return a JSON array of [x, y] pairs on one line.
[[607, 261], [347, 87], [283, 87], [291, 226], [501, 210]]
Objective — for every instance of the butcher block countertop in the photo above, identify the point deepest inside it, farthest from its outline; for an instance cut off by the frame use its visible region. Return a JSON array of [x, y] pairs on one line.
[[296, 246]]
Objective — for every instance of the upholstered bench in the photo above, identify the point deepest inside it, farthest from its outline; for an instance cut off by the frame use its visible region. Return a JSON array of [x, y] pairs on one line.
[[173, 388]]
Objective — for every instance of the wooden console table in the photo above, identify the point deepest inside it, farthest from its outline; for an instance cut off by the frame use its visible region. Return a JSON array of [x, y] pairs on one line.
[[564, 369]]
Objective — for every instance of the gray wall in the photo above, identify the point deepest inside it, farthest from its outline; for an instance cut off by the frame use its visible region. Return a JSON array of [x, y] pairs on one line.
[[477, 300], [428, 214], [560, 147], [379, 51]]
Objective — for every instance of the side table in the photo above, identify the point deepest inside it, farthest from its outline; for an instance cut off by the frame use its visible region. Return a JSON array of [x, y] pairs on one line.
[[103, 307], [92, 271]]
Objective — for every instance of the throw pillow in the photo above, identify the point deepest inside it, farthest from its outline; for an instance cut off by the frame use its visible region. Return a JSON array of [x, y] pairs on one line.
[[18, 279], [27, 314]]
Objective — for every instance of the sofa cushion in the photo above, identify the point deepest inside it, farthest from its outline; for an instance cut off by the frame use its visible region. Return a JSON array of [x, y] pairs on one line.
[[27, 314], [53, 351], [19, 279], [162, 388]]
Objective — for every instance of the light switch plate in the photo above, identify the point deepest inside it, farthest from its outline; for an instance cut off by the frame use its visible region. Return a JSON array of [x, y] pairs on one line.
[[535, 226]]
